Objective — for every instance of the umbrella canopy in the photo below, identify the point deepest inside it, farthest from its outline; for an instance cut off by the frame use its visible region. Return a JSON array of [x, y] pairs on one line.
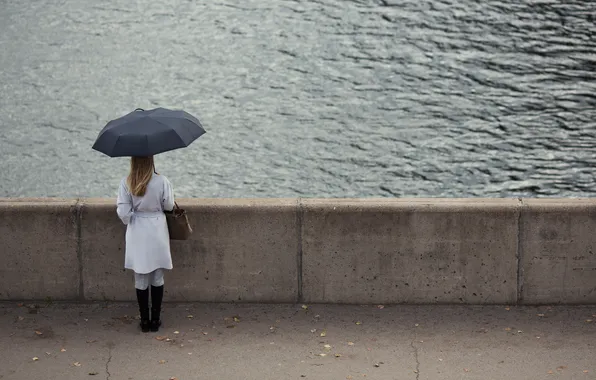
[[146, 133]]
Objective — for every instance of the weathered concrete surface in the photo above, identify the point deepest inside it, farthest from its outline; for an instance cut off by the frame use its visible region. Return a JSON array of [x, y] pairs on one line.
[[241, 250], [38, 250], [558, 249], [278, 342], [410, 251]]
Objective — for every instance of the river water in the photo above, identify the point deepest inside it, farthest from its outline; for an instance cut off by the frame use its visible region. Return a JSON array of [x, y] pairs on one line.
[[325, 98]]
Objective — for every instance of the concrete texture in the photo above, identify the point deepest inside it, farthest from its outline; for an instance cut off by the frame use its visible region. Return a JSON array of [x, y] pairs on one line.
[[38, 249], [558, 250], [204, 341], [474, 251], [410, 251], [240, 250]]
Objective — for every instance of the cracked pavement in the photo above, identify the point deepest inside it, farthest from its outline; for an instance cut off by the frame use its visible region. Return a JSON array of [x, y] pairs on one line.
[[251, 341]]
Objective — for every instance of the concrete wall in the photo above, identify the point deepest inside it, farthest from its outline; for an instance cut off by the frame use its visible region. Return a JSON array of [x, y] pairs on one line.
[[473, 251]]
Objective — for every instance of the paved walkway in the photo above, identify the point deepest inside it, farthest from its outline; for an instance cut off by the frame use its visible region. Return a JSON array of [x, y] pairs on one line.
[[223, 341]]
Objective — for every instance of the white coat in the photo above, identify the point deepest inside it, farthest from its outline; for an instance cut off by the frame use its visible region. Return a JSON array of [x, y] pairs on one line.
[[147, 236]]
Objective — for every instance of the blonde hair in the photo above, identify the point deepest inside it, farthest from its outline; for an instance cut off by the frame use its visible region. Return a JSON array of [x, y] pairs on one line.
[[141, 171]]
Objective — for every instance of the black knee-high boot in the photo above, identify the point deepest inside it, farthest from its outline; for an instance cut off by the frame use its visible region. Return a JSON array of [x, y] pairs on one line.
[[143, 299], [156, 298]]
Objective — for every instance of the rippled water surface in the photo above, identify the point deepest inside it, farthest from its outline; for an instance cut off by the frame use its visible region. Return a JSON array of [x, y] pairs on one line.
[[322, 98]]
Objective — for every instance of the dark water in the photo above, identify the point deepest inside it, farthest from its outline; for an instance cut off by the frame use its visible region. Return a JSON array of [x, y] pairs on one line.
[[319, 98]]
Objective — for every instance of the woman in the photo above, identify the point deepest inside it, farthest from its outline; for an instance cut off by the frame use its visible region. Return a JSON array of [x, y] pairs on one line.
[[142, 198]]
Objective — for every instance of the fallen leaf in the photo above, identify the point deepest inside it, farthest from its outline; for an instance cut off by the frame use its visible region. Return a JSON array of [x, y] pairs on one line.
[[415, 371], [540, 315], [35, 359], [168, 340], [380, 307], [588, 321], [350, 343], [93, 373], [338, 355], [313, 331], [21, 318], [322, 354], [38, 332], [236, 319], [190, 353], [318, 316], [377, 365], [550, 372], [561, 367], [205, 333], [507, 308], [305, 307], [349, 377], [324, 333], [86, 320], [162, 362], [327, 346], [537, 337], [190, 316], [176, 332], [76, 364], [417, 325], [519, 331], [440, 359], [63, 350], [358, 323], [466, 370], [160, 337], [586, 371], [48, 353], [507, 328]]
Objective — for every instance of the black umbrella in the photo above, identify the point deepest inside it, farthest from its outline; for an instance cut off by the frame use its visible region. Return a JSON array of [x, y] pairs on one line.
[[146, 133]]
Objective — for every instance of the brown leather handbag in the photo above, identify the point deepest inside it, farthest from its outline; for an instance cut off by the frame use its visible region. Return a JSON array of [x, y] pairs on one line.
[[178, 224]]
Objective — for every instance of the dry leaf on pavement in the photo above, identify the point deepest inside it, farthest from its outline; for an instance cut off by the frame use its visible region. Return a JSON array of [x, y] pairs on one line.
[[63, 350], [35, 359], [37, 332], [561, 367], [380, 307], [350, 343], [322, 354], [324, 333], [76, 364], [190, 316], [236, 319], [586, 371], [588, 321], [176, 332], [358, 323], [160, 337], [507, 328], [507, 308], [305, 307], [327, 346], [313, 331], [540, 315], [466, 370], [338, 355], [173, 378], [162, 362]]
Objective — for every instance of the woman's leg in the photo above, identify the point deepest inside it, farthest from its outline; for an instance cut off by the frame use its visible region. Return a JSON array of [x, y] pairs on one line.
[[142, 287], [157, 283]]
